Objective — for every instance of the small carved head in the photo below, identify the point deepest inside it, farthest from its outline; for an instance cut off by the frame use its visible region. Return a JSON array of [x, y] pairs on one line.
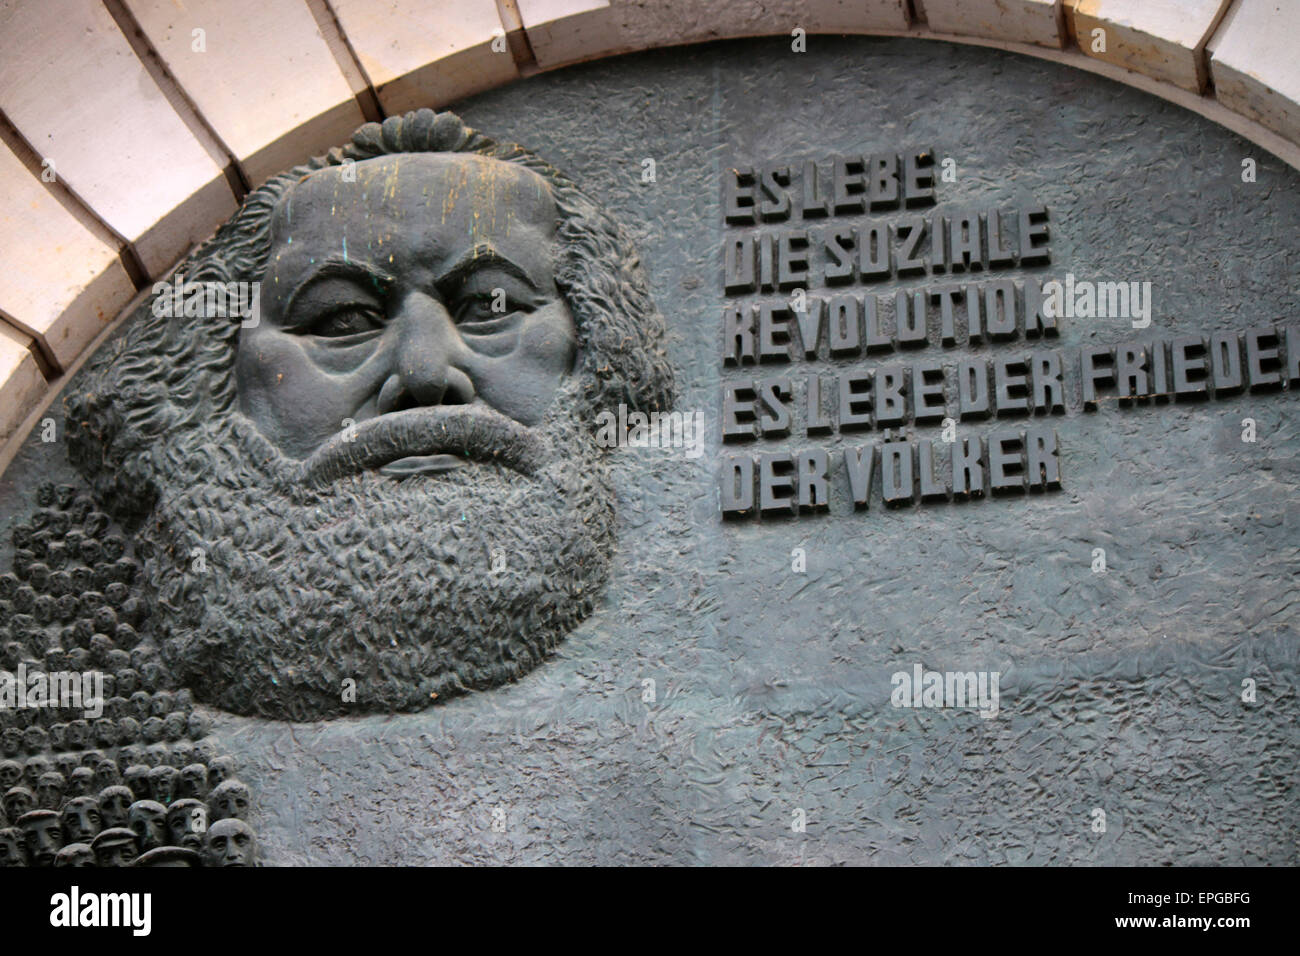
[[114, 806], [13, 849], [194, 781], [17, 801], [230, 842], [115, 846], [148, 820], [75, 854], [81, 820], [230, 800], [162, 783], [42, 834], [81, 783], [187, 822], [49, 790]]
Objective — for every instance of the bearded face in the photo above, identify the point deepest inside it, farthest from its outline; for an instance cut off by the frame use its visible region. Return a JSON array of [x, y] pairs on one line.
[[383, 488], [404, 501], [420, 283]]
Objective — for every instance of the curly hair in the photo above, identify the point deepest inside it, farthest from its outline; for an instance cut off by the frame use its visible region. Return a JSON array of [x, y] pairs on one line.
[[168, 372]]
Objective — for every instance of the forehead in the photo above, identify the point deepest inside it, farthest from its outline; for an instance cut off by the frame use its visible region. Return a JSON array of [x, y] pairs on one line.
[[410, 195]]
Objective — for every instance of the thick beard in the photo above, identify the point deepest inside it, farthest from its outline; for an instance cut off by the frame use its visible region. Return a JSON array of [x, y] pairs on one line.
[[386, 583]]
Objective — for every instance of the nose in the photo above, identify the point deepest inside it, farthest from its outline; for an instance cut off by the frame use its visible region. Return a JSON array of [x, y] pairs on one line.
[[426, 365]]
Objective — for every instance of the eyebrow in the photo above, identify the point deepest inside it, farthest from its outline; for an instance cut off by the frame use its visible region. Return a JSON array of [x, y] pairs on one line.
[[482, 256], [339, 268]]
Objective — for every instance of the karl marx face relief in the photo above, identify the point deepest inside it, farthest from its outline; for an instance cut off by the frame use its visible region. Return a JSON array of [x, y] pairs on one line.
[[385, 473], [392, 303]]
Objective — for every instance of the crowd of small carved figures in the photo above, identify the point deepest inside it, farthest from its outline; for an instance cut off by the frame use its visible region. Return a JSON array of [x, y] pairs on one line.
[[143, 783]]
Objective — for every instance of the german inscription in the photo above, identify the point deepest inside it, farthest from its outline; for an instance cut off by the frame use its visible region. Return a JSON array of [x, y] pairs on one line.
[[814, 262]]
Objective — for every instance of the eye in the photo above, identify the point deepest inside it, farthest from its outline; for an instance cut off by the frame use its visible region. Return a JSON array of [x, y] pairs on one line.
[[346, 321], [478, 308]]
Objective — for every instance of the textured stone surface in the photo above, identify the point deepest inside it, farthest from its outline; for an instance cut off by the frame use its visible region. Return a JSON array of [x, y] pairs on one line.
[[1254, 64], [1121, 691]]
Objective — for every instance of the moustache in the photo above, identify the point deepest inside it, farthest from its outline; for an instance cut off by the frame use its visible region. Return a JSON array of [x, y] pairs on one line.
[[474, 432]]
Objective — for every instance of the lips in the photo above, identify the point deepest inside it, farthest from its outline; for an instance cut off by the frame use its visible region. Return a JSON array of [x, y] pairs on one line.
[[425, 441], [421, 465]]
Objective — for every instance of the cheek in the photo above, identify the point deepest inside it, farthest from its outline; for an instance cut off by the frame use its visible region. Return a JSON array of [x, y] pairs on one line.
[[522, 384], [294, 402], [552, 340], [268, 369]]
